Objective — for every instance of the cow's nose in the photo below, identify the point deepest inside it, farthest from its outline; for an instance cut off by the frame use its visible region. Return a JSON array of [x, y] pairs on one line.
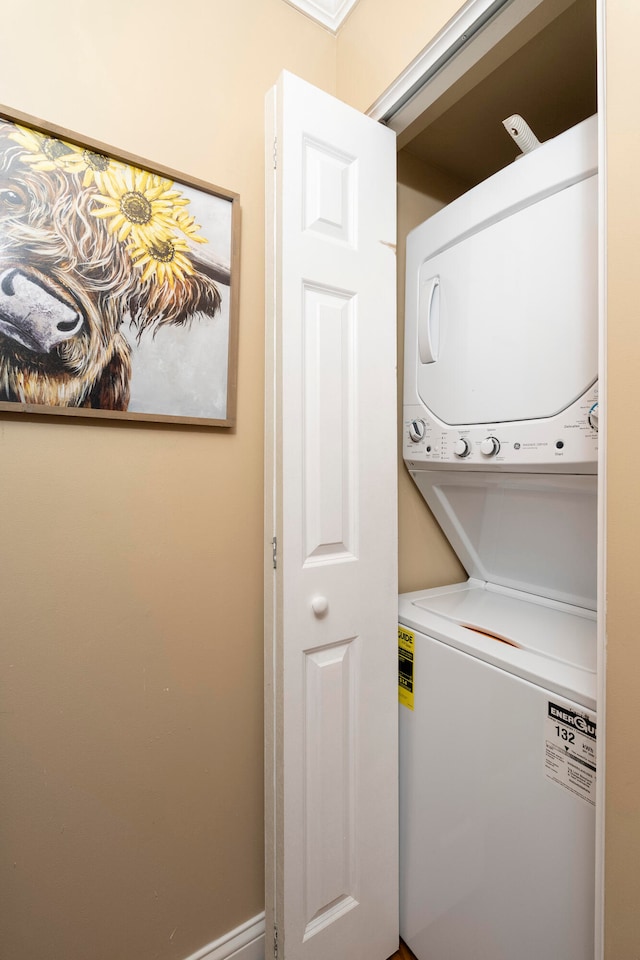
[[33, 315]]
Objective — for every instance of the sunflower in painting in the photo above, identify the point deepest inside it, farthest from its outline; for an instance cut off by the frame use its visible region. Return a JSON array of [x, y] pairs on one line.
[[189, 227], [166, 259], [96, 165], [48, 154], [143, 210], [139, 205]]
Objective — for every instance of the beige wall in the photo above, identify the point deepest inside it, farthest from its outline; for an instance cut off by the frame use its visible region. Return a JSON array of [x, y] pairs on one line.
[[379, 39], [131, 556], [622, 927]]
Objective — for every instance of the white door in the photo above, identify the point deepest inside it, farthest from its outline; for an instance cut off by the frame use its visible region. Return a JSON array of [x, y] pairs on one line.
[[331, 599]]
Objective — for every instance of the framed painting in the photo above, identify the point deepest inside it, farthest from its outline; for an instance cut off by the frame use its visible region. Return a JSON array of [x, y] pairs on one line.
[[118, 283]]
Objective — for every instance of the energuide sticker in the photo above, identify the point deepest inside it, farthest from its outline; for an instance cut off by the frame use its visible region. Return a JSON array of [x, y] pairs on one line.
[[406, 645], [570, 751]]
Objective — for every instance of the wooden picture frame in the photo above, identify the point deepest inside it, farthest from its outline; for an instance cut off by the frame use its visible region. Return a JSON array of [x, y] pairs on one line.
[[119, 282]]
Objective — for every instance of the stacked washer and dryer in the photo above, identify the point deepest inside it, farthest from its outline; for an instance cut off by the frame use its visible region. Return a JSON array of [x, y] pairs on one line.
[[498, 735]]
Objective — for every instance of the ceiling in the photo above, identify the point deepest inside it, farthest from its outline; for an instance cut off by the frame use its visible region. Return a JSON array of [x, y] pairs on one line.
[[551, 81]]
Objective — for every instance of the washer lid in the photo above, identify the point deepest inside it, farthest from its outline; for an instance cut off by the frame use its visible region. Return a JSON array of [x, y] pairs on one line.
[[531, 532], [562, 633], [551, 644]]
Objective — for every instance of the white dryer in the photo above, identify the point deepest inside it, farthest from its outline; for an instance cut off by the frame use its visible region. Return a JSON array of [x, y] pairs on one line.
[[501, 332], [498, 734]]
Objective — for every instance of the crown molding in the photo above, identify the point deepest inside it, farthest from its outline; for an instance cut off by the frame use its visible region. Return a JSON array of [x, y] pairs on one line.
[[330, 13]]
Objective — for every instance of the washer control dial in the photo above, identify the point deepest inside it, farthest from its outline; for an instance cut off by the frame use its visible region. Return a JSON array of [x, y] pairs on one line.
[[490, 446], [417, 431], [593, 417], [461, 448]]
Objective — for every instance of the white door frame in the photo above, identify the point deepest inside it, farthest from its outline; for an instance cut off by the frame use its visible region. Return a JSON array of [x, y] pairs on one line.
[[471, 33], [602, 479]]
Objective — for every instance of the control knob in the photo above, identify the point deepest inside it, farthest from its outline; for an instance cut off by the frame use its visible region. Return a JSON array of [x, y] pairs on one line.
[[461, 448], [593, 417], [490, 446], [417, 431]]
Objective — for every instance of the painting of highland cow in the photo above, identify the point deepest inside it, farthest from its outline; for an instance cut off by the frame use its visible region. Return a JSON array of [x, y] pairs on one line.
[[118, 283]]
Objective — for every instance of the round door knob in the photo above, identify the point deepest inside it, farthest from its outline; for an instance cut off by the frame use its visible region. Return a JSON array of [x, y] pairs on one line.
[[593, 417], [319, 605], [417, 430], [490, 446], [461, 448]]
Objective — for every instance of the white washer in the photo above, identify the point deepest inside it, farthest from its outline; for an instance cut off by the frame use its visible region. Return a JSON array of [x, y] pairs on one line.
[[497, 777]]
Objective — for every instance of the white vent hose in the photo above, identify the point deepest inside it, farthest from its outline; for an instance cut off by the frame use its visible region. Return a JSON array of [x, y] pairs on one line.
[[520, 131]]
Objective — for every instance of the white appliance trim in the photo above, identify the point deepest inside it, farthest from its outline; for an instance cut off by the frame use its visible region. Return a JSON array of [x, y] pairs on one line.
[[246, 942]]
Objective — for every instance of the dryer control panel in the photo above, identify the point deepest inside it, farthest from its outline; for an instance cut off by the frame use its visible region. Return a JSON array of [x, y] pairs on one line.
[[565, 443]]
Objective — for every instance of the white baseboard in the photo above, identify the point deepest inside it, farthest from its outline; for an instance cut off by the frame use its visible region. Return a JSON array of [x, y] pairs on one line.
[[246, 942]]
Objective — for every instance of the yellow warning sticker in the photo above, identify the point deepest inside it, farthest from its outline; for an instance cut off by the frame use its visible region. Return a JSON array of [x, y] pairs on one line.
[[406, 645]]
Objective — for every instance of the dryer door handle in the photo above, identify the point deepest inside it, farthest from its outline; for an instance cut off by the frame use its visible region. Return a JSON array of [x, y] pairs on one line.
[[429, 320]]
